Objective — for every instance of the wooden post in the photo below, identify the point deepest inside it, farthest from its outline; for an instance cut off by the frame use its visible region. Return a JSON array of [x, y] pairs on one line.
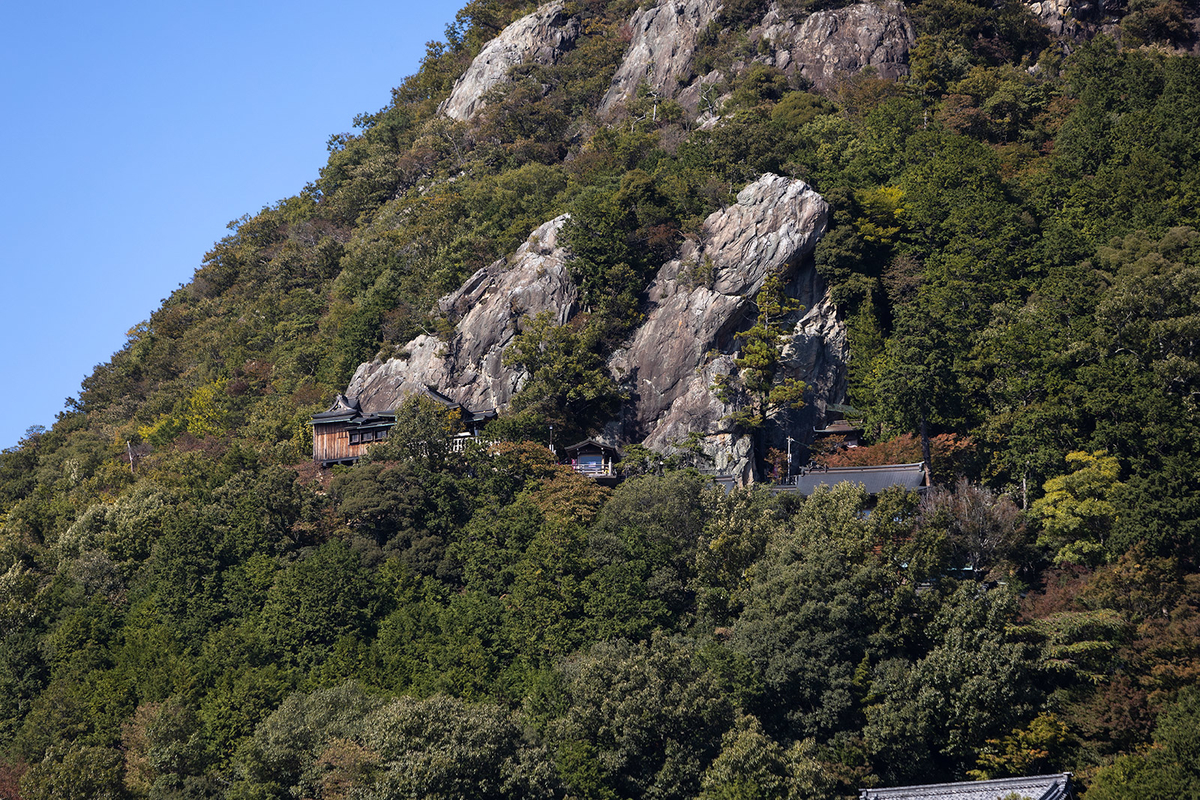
[[926, 450]]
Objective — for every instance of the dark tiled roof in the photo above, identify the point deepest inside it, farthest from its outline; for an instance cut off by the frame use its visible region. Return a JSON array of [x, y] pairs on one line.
[[434, 394], [590, 443], [346, 410], [839, 426], [342, 409], [451, 403], [874, 479], [480, 416], [1038, 787]]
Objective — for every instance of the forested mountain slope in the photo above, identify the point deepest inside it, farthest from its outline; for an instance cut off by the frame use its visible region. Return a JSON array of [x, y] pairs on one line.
[[1009, 253]]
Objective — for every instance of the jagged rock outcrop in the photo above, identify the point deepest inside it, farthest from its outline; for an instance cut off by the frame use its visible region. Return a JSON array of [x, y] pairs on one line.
[[1082, 19], [1061, 16], [662, 49], [816, 352], [830, 45], [470, 366], [698, 304], [541, 37], [823, 47], [700, 301]]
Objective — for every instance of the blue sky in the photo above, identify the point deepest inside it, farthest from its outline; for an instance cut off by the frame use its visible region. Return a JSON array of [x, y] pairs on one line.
[[133, 132]]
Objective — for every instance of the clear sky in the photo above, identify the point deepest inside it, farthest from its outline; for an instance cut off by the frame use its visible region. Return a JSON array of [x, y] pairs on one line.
[[133, 132]]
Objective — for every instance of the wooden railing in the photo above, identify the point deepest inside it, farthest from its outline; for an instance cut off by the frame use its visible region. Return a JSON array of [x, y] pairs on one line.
[[593, 470], [459, 443]]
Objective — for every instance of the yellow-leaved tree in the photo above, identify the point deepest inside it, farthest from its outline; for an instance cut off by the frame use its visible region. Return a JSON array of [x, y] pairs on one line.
[[1078, 511]]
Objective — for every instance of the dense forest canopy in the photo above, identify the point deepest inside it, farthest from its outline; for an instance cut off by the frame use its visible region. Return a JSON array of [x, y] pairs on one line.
[[189, 608]]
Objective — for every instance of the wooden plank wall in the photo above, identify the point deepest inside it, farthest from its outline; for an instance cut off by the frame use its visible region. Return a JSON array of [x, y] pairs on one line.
[[331, 442]]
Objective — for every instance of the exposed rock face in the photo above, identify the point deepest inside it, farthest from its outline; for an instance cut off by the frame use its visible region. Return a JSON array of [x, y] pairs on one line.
[[1083, 19], [699, 303], [541, 37], [823, 47], [662, 48], [487, 308], [1060, 16], [830, 45], [816, 353], [702, 299]]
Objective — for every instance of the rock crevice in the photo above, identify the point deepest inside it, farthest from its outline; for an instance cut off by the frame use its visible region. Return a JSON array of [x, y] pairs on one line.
[[688, 337]]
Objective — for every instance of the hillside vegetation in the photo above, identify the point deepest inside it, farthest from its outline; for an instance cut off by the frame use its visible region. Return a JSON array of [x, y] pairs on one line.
[[188, 609]]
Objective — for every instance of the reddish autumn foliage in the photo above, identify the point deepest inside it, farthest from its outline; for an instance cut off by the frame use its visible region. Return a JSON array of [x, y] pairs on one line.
[[1060, 588], [10, 779], [951, 454]]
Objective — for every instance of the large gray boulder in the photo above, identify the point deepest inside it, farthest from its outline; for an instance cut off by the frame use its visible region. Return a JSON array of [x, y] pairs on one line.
[[700, 301], [486, 311], [662, 49], [824, 48], [829, 46], [541, 37]]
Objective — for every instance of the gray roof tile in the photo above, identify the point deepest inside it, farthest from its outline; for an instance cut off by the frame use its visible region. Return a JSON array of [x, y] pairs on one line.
[[1037, 787], [874, 479]]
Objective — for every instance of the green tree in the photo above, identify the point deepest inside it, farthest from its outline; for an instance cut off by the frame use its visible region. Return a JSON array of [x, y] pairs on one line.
[[1040, 747], [78, 773], [282, 756], [424, 431], [568, 384], [643, 545], [402, 509], [916, 383], [931, 716], [618, 235], [1077, 511], [318, 600], [809, 610], [1168, 768], [754, 391], [752, 766], [649, 715], [443, 748]]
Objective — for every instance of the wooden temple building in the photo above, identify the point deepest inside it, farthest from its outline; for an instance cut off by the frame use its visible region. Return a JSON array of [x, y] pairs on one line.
[[874, 479], [841, 431], [596, 460], [342, 434]]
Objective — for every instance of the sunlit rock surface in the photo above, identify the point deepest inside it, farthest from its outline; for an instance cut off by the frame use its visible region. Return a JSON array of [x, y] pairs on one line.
[[541, 37], [696, 306], [486, 310]]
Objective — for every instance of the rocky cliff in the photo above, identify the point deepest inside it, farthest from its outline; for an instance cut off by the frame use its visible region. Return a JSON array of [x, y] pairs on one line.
[[830, 45], [701, 300], [486, 310], [662, 49], [541, 37], [696, 305], [821, 47]]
